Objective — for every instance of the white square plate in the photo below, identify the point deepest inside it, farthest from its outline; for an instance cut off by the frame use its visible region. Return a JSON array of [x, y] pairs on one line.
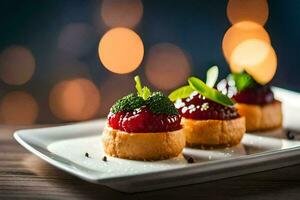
[[65, 148]]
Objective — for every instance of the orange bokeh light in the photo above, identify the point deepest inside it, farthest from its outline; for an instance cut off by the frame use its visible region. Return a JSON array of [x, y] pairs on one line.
[[240, 32], [74, 100], [17, 65], [257, 58], [167, 66], [248, 10], [121, 50], [18, 108], [121, 13]]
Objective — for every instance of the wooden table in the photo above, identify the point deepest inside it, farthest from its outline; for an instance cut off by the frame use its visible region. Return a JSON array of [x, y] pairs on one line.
[[24, 176]]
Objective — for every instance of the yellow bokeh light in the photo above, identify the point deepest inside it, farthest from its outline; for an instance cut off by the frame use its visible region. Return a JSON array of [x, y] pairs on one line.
[[121, 13], [240, 32], [18, 108], [17, 65], [248, 10], [257, 58], [167, 66], [121, 50], [74, 100]]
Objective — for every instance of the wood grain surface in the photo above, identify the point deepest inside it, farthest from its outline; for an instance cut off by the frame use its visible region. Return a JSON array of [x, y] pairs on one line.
[[25, 176]]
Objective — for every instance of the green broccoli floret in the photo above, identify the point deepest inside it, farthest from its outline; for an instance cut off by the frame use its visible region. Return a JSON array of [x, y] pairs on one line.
[[127, 103], [158, 103]]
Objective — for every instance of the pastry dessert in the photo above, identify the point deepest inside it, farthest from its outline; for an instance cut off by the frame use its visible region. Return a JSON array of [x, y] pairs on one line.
[[145, 126], [209, 118], [257, 103]]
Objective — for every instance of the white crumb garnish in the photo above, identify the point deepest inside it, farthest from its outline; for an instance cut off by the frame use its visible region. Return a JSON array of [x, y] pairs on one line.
[[193, 94], [179, 103], [184, 109], [221, 85], [231, 82], [204, 106], [191, 106], [192, 110]]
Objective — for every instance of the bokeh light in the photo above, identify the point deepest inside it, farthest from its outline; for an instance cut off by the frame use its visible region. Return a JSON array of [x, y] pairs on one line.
[[18, 108], [121, 13], [74, 100], [257, 58], [121, 50], [248, 10], [240, 32], [167, 66], [17, 65], [77, 39], [114, 87]]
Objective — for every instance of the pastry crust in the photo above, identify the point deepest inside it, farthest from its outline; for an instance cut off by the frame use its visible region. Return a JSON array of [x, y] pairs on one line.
[[259, 118], [143, 146], [213, 133]]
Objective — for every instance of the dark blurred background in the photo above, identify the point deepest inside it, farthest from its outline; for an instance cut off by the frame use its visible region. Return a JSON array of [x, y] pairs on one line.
[[63, 38]]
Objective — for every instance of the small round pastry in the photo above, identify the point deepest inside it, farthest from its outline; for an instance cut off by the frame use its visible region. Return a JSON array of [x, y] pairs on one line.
[[143, 146], [261, 110], [143, 127], [210, 124]]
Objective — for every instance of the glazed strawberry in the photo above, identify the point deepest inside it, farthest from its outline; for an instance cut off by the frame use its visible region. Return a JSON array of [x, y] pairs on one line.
[[255, 95], [145, 112], [114, 119], [244, 89], [202, 101], [142, 120], [200, 108]]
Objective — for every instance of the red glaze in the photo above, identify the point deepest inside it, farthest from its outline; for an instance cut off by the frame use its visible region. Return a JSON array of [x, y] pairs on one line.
[[257, 95], [200, 108], [142, 120]]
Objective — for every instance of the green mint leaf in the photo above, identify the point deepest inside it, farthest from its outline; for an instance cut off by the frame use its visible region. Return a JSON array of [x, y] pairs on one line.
[[242, 80], [127, 103], [212, 76], [158, 103], [143, 92], [138, 85], [181, 93], [209, 92], [146, 93]]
